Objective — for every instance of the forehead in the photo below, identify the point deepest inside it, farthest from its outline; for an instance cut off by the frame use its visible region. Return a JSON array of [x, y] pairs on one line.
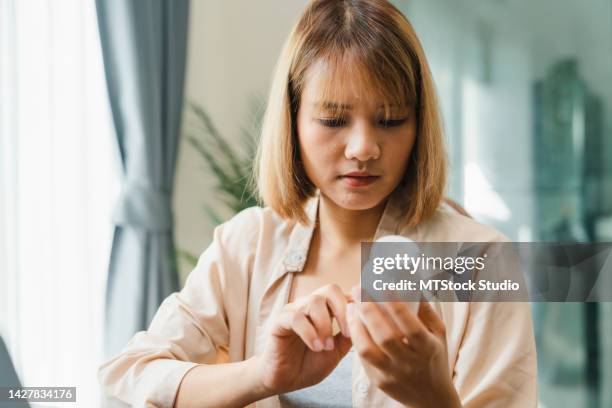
[[326, 83], [340, 82]]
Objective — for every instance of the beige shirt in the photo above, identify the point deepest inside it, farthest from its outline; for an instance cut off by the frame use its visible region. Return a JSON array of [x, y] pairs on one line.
[[242, 281]]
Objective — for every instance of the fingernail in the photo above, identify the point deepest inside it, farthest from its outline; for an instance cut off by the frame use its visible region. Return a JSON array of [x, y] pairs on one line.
[[347, 334], [329, 344], [318, 346], [345, 331]]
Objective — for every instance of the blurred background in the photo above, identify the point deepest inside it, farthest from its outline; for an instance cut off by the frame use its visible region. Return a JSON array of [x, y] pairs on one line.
[[526, 97]]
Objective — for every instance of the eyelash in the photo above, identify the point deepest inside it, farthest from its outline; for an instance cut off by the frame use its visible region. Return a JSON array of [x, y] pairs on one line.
[[339, 122], [392, 122], [333, 122]]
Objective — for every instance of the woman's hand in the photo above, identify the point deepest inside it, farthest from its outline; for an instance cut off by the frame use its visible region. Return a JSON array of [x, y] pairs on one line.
[[404, 354], [301, 349]]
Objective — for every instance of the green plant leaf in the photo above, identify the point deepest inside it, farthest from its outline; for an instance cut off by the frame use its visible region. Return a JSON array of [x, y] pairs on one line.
[[188, 258], [230, 167]]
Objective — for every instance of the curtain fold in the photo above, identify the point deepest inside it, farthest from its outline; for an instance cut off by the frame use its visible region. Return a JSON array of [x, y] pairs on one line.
[[144, 46]]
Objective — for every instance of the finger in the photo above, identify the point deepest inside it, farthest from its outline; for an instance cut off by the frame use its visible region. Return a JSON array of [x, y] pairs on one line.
[[382, 329], [363, 343], [320, 315], [306, 331], [336, 300], [343, 344], [431, 320], [408, 323], [356, 293]]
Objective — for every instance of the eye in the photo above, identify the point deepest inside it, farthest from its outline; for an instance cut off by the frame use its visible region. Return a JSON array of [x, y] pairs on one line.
[[391, 122], [332, 122]]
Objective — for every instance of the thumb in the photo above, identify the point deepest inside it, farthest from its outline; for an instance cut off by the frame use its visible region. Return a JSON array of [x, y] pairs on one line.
[[430, 319]]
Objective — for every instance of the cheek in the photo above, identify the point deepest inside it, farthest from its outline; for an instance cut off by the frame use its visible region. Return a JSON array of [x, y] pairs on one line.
[[398, 152], [400, 147], [316, 144], [307, 138]]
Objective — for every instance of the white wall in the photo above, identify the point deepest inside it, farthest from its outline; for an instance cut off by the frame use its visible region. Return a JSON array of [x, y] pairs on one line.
[[233, 46]]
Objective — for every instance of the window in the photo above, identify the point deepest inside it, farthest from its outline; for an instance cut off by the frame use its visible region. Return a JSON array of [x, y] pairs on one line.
[[58, 182]]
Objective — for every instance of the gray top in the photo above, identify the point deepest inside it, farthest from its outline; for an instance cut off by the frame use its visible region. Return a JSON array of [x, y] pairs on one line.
[[334, 391]]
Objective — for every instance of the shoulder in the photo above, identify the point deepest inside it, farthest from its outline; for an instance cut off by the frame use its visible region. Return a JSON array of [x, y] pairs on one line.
[[250, 226], [447, 224], [252, 236]]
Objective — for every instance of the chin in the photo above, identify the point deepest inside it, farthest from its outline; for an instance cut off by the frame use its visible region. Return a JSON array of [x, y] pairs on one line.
[[357, 201]]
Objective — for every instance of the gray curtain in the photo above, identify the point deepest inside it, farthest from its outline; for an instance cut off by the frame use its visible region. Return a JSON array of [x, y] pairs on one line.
[[8, 377], [144, 45]]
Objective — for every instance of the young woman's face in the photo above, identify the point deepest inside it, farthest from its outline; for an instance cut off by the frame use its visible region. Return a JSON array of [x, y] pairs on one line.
[[358, 156]]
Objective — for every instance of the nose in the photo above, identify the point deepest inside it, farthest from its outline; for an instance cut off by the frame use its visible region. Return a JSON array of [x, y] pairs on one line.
[[362, 144]]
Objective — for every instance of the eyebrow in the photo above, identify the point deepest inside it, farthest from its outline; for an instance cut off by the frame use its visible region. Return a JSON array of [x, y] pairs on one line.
[[345, 106], [333, 106]]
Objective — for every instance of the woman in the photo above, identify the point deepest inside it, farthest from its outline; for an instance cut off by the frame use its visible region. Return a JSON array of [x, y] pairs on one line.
[[351, 150]]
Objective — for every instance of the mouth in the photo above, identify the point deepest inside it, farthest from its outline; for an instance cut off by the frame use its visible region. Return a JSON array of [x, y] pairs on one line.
[[359, 178]]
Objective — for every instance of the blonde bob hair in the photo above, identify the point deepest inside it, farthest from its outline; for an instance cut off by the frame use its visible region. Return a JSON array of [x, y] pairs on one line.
[[384, 52]]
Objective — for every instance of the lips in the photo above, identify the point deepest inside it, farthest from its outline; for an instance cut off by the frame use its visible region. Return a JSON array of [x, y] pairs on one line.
[[359, 178], [359, 174]]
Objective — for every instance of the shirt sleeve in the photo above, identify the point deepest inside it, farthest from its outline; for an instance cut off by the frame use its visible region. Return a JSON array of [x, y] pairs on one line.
[[187, 330], [496, 364]]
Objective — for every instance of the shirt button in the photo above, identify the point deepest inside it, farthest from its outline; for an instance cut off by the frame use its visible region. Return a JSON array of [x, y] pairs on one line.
[[296, 258], [362, 386]]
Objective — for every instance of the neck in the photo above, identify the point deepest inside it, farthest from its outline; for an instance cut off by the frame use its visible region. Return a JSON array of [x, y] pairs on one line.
[[339, 227]]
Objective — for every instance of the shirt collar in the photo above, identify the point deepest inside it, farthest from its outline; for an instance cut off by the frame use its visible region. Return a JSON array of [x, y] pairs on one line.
[[301, 236]]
